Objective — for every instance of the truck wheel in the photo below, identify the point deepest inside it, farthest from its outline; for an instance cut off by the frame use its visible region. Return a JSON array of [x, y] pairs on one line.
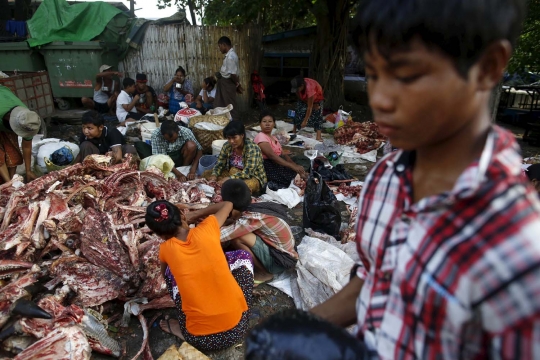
[[63, 104]]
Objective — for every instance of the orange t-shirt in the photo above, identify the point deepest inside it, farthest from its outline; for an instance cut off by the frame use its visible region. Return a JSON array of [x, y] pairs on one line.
[[211, 298]]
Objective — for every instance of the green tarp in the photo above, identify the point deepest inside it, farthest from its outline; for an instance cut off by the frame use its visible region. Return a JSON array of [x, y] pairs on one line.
[[56, 20]]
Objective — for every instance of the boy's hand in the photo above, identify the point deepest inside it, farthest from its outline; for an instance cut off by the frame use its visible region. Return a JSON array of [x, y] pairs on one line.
[[136, 98], [204, 86], [191, 176]]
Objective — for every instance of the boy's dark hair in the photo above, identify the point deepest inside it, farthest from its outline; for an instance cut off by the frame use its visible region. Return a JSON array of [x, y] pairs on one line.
[[169, 127], [533, 172], [266, 113], [181, 69], [210, 81], [235, 127], [163, 223], [461, 29], [237, 192], [128, 82], [93, 117], [224, 40]]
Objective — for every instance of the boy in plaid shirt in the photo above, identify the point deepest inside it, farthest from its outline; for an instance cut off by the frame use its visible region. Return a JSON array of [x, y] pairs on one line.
[[448, 228]]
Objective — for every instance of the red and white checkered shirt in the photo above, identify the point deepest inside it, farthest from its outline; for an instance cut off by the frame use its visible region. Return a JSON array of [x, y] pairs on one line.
[[453, 276]]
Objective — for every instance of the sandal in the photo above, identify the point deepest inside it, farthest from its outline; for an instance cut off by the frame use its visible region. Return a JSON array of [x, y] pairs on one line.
[[168, 320], [260, 282]]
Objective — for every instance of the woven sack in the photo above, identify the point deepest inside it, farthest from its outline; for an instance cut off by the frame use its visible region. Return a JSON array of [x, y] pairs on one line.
[[188, 352], [205, 137]]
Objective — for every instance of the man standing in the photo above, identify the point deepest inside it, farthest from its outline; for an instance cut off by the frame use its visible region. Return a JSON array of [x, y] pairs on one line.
[[178, 142], [16, 120], [106, 91], [228, 84]]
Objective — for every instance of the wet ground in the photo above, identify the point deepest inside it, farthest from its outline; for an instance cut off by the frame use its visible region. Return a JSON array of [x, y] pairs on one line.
[[267, 300]]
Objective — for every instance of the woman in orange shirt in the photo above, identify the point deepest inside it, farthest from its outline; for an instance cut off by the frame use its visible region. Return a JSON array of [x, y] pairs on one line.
[[212, 290]]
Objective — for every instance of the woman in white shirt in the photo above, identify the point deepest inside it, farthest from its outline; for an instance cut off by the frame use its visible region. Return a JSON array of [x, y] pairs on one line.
[[205, 100]]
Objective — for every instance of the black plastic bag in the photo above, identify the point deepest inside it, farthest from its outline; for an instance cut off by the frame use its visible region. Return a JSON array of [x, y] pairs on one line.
[[338, 172], [296, 334], [321, 212]]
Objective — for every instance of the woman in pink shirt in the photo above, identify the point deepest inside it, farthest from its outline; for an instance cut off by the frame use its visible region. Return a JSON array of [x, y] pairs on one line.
[[280, 169]]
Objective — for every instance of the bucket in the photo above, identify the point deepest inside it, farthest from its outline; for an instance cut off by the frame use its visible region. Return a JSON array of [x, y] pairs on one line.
[[147, 129], [206, 162], [217, 145]]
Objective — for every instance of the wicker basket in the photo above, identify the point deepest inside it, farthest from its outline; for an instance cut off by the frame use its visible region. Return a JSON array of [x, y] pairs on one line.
[[205, 137]]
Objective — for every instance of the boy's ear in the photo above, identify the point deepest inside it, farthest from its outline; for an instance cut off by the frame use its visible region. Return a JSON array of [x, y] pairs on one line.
[[492, 64]]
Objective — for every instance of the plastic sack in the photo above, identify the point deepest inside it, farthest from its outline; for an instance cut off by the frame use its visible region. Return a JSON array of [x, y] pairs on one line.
[[321, 207], [62, 156], [163, 100], [185, 114], [282, 136], [162, 162], [221, 111], [43, 149], [342, 118], [295, 334]]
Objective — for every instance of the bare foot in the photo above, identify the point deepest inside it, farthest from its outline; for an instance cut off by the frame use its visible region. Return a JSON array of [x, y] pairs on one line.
[[171, 326], [261, 278]]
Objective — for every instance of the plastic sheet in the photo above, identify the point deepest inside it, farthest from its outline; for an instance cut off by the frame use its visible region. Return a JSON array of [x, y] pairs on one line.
[[163, 162]]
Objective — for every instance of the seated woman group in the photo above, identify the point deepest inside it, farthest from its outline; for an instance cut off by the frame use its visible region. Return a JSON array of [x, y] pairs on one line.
[[213, 292], [240, 158], [280, 169]]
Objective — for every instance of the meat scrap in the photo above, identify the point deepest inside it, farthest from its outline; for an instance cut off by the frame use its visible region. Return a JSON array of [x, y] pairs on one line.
[[83, 227], [364, 136]]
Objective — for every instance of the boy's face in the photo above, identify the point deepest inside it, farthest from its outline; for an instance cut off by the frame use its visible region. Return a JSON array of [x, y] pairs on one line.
[[92, 131], [130, 89], [141, 86], [418, 98]]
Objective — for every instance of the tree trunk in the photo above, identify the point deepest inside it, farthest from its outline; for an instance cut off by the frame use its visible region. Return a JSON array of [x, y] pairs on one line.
[[328, 56], [192, 12], [22, 10], [5, 11], [494, 101]]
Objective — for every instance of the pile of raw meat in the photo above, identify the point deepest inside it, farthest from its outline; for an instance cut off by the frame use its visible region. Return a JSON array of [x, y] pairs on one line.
[[78, 236], [364, 136]]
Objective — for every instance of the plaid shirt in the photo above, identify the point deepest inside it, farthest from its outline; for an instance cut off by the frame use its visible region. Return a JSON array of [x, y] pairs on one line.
[[162, 146], [253, 162], [275, 232], [453, 276]]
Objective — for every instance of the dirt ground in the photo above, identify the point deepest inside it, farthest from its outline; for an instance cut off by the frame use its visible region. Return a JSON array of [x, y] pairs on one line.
[[267, 300]]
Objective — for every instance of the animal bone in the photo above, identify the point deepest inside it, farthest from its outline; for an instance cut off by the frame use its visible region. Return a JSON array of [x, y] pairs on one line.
[[64, 343]]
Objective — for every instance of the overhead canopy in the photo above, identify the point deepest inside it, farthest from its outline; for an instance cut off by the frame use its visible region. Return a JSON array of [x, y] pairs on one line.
[[56, 20]]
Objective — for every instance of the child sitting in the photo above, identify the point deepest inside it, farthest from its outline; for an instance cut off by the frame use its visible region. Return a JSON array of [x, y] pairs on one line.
[[533, 173], [212, 292], [205, 100], [96, 138]]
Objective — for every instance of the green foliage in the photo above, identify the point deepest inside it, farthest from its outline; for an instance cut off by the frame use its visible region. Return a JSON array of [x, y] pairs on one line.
[[526, 56], [274, 15], [195, 7]]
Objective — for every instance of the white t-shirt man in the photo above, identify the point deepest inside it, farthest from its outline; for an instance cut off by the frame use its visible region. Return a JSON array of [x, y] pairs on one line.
[[230, 64], [210, 94], [123, 99]]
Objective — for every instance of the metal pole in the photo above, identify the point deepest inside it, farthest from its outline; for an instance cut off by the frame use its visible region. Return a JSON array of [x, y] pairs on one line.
[[132, 8]]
